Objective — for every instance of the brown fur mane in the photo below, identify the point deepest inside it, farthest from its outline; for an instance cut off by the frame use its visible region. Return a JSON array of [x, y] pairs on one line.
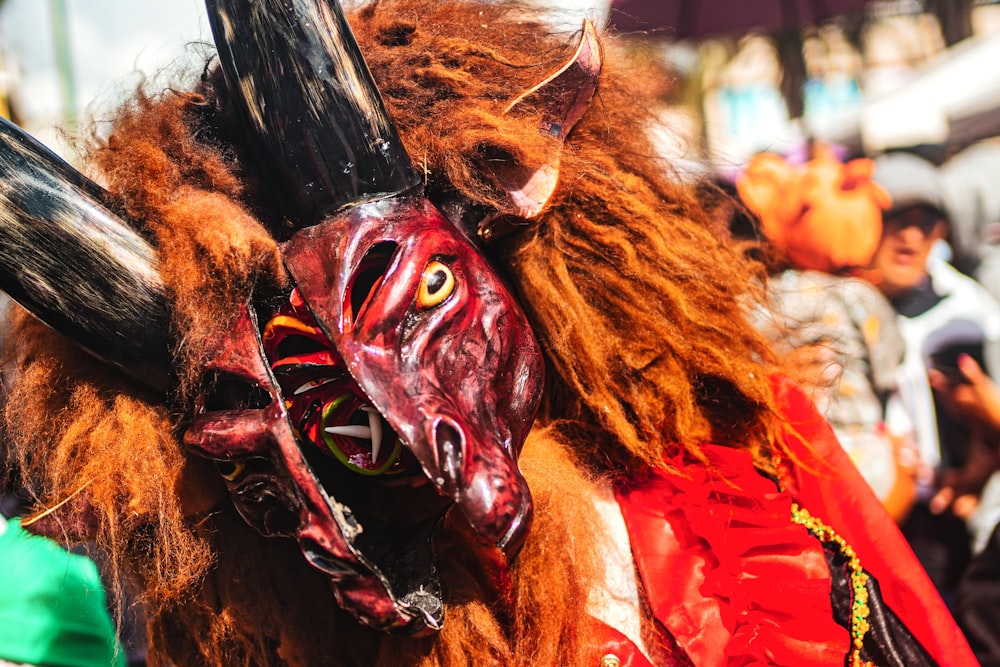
[[635, 299], [216, 593], [634, 294]]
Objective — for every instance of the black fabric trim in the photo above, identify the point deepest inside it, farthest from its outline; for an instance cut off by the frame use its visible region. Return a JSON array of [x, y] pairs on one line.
[[888, 642]]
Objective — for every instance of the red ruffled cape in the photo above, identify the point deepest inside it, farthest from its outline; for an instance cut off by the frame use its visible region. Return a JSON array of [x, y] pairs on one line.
[[736, 582]]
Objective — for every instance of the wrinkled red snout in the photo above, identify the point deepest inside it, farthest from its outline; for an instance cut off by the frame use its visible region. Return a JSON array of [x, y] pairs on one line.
[[437, 343]]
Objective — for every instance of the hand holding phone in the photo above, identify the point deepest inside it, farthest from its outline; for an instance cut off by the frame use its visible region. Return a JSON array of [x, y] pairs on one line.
[[945, 360], [974, 394]]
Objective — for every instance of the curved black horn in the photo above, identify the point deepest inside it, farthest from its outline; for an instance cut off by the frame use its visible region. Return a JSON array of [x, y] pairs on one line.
[[315, 117], [77, 266]]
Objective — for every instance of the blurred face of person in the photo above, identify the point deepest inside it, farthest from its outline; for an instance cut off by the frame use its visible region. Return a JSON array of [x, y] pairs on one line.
[[900, 263]]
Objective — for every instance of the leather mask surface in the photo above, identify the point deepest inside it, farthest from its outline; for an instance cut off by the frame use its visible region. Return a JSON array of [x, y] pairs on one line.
[[400, 379], [398, 333], [436, 342]]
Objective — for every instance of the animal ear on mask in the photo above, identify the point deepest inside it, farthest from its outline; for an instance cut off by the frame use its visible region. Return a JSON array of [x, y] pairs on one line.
[[562, 98]]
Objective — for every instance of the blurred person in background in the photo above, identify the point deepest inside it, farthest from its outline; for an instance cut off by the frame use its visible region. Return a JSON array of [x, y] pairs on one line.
[[976, 397], [896, 39], [973, 200], [744, 109], [839, 332], [832, 89], [942, 315]]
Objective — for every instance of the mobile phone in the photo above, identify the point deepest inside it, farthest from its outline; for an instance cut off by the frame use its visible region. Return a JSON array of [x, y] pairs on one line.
[[945, 360]]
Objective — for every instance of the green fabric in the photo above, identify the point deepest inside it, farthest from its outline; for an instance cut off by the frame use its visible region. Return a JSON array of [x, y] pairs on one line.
[[52, 605]]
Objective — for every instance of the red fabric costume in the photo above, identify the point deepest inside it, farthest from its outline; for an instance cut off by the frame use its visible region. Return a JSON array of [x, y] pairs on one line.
[[735, 581]]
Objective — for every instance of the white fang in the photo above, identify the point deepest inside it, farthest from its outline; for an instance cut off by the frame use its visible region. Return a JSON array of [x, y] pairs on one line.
[[375, 424], [351, 430]]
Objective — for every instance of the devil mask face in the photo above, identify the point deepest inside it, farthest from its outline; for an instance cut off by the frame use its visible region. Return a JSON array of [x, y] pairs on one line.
[[398, 379], [401, 376], [437, 343]]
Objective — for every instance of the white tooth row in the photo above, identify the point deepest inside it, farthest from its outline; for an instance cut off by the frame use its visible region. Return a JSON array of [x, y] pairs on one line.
[[371, 432]]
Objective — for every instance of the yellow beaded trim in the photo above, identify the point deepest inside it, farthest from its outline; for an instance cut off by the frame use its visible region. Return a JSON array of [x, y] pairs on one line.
[[859, 597]]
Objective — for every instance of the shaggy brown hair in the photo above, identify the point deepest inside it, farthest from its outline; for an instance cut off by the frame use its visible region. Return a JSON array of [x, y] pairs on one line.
[[635, 298], [632, 291]]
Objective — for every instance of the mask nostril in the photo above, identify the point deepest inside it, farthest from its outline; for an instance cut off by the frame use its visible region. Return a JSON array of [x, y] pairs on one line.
[[450, 448]]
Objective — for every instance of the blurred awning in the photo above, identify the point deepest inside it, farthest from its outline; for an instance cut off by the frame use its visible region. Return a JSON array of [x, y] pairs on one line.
[[952, 101], [685, 19]]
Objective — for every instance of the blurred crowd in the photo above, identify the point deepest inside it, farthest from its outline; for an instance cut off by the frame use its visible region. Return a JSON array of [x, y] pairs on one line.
[[883, 228]]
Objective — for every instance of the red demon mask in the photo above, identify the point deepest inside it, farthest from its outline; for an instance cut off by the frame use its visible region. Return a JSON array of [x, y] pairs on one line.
[[399, 378]]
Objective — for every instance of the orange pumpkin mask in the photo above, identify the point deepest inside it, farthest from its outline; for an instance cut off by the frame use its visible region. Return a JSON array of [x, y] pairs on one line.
[[825, 215]]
